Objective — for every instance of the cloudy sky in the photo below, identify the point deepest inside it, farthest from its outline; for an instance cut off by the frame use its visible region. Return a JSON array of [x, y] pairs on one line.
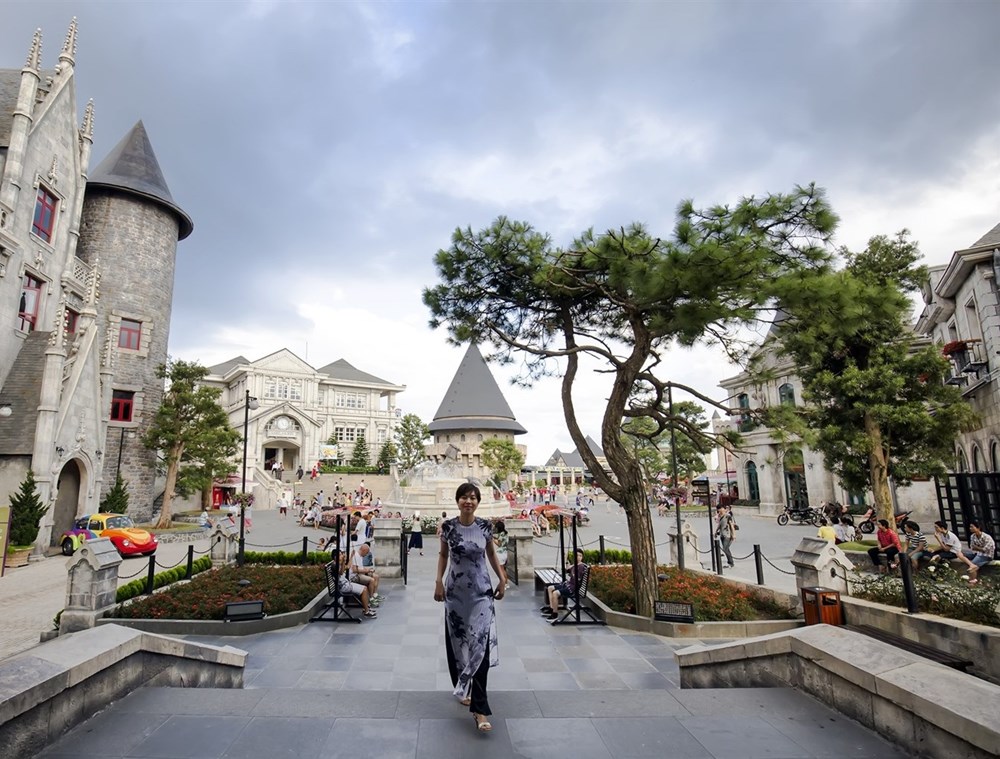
[[327, 150]]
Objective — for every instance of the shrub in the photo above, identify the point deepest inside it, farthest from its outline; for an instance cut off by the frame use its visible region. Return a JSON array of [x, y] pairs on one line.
[[611, 556], [940, 591], [116, 500], [26, 512], [714, 600], [138, 586]]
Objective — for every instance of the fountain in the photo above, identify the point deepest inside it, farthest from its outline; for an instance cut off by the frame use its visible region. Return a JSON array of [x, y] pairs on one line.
[[430, 489]]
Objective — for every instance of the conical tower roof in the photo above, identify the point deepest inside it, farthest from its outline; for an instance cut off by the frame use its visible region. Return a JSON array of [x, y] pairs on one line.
[[131, 166], [474, 400]]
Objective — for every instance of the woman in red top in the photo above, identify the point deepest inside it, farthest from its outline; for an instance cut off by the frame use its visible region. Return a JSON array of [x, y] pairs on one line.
[[888, 544]]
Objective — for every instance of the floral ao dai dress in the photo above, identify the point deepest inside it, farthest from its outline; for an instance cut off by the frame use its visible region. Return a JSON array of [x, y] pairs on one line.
[[470, 621]]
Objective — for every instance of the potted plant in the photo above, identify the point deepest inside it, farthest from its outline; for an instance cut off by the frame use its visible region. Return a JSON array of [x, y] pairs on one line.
[[26, 512], [957, 351]]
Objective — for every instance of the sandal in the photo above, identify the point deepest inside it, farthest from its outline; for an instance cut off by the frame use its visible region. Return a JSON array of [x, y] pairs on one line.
[[467, 701], [371, 613], [483, 725]]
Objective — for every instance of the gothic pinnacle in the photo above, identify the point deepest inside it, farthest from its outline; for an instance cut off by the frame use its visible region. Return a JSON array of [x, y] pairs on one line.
[[69, 46], [87, 129], [35, 52]]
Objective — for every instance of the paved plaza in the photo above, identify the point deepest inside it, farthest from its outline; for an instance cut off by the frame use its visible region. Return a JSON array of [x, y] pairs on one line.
[[381, 689]]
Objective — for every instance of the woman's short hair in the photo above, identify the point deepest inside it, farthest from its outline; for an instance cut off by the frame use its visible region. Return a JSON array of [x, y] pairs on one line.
[[465, 489]]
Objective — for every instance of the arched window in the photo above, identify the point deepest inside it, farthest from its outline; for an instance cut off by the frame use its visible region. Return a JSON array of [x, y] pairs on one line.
[[786, 395], [977, 459], [963, 463], [746, 422], [994, 457], [480, 437], [753, 486], [463, 438]]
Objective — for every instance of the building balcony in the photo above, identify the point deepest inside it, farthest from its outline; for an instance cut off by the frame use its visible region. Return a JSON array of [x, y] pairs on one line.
[[968, 356]]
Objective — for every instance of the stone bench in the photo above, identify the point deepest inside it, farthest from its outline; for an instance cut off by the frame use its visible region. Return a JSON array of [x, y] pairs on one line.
[[926, 708], [49, 689]]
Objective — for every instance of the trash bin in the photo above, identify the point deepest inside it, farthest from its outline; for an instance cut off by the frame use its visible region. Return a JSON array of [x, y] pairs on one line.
[[822, 606]]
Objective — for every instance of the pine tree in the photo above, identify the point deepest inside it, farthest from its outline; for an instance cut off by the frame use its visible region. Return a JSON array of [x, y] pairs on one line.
[[116, 499], [359, 458], [387, 455], [26, 512]]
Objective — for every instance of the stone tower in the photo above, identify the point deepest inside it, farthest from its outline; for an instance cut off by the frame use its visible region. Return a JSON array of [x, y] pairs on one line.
[[472, 411], [129, 229]]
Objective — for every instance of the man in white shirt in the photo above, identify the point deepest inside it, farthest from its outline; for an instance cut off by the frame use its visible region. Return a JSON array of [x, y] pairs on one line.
[[363, 575], [951, 546]]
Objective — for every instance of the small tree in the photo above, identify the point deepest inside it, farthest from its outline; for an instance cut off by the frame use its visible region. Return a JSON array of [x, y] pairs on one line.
[[360, 457], [651, 444], [410, 436], [501, 457], [26, 512], [116, 499], [192, 432], [387, 455]]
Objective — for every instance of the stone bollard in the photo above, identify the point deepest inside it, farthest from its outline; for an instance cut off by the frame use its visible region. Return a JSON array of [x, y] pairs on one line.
[[92, 585], [388, 533], [225, 543], [819, 563], [690, 539], [521, 536]]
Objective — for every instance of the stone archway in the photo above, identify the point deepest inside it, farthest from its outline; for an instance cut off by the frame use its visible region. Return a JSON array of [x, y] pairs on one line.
[[67, 500]]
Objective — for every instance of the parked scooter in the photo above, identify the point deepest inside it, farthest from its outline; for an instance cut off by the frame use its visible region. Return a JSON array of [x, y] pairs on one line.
[[869, 521], [799, 516]]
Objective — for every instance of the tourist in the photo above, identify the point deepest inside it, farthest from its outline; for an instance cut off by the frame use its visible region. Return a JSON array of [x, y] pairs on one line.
[[363, 574], [501, 540], [916, 543], [299, 473], [826, 532], [888, 544], [416, 535], [466, 551], [565, 589], [725, 531], [981, 550], [282, 507], [951, 546]]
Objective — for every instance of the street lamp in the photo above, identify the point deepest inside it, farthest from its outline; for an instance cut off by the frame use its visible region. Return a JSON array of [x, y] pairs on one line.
[[249, 403]]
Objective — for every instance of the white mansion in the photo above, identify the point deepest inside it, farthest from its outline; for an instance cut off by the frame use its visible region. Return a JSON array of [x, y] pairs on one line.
[[300, 408]]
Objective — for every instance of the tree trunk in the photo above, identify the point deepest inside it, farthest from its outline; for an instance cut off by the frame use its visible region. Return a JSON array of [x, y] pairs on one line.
[[173, 465], [640, 531], [878, 471]]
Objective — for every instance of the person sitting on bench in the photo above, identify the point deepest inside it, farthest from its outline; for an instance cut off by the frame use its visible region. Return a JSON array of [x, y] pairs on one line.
[[361, 574], [888, 544], [348, 588], [981, 550], [564, 589], [951, 547]]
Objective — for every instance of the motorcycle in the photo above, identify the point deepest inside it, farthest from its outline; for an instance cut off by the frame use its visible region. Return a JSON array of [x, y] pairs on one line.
[[870, 522], [799, 516]]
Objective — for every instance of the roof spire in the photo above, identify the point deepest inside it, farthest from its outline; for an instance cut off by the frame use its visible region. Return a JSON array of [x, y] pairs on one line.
[[69, 46], [87, 128], [35, 52]]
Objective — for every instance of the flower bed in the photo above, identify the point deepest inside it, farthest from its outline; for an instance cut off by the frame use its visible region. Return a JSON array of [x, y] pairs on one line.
[[940, 590], [283, 589], [714, 600]]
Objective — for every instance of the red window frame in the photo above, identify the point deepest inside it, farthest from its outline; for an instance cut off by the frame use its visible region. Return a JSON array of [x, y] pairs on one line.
[[31, 297], [45, 214], [121, 405], [72, 318], [129, 334]]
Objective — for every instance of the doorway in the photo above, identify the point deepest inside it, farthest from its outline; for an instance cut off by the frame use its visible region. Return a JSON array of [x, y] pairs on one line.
[[67, 501]]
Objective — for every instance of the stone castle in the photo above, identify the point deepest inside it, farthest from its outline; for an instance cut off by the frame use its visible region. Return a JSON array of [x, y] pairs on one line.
[[86, 284]]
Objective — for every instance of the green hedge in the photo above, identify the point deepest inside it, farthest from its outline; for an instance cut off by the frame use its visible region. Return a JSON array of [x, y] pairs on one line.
[[611, 556], [285, 558], [138, 586]]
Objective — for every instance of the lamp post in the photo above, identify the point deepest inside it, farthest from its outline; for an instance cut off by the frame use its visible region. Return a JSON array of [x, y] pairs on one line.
[[673, 458], [249, 403]]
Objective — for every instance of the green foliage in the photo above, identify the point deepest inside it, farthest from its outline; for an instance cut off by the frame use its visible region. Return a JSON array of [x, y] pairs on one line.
[[873, 392], [611, 556], [714, 599], [326, 467], [941, 591], [410, 436], [285, 558], [387, 456], [116, 499], [192, 432], [501, 457], [26, 512], [360, 456], [623, 299], [650, 443], [160, 580]]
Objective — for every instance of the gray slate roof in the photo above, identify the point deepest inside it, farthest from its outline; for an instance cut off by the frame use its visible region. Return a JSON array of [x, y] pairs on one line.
[[227, 366], [574, 459], [22, 392], [342, 370], [474, 400], [132, 166], [990, 238]]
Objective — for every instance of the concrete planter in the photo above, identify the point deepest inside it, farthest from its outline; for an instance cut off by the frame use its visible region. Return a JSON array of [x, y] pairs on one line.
[[218, 627]]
